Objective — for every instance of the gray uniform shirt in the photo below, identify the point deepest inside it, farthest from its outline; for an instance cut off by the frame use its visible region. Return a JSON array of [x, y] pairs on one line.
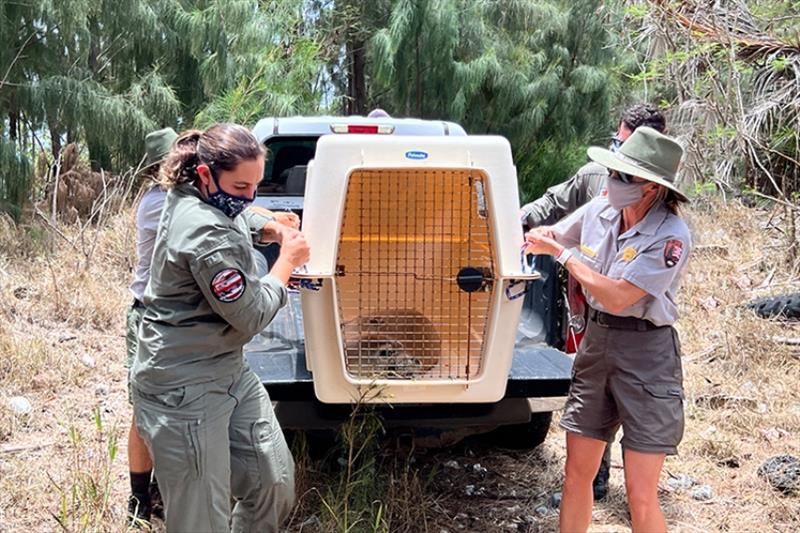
[[147, 216], [564, 198], [204, 300], [650, 255]]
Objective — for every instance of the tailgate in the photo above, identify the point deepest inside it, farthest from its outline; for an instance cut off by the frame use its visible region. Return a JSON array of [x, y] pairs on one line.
[[277, 356]]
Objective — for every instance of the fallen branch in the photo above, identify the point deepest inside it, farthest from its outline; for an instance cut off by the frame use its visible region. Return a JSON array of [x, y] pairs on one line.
[[777, 200], [24, 448], [789, 341]]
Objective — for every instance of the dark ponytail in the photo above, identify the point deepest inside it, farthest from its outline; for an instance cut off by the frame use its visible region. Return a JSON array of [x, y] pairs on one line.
[[221, 147]]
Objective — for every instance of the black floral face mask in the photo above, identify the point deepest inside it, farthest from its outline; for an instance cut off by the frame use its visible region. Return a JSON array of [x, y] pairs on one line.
[[229, 204]]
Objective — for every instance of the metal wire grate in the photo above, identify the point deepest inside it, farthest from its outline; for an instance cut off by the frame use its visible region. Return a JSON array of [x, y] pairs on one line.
[[410, 239]]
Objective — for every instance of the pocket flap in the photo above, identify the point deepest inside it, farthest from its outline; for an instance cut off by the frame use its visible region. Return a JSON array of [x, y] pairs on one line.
[[664, 390]]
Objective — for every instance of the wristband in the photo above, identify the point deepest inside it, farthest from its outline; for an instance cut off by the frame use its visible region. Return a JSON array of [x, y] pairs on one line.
[[563, 257]]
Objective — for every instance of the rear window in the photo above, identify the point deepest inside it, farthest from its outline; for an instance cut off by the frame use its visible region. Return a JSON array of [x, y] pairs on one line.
[[285, 168]]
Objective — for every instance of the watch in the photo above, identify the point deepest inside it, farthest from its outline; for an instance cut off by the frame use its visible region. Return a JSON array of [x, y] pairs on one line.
[[564, 256]]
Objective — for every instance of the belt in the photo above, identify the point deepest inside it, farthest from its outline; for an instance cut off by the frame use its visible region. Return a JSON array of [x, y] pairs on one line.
[[621, 322], [137, 304]]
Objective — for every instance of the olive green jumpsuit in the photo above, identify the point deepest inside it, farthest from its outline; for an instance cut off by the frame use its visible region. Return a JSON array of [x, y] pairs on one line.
[[205, 416]]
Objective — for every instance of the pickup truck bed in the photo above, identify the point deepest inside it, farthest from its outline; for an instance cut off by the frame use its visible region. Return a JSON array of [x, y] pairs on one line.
[[277, 356]]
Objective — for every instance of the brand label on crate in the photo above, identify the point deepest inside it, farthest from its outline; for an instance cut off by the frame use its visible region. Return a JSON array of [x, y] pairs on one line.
[[416, 154]]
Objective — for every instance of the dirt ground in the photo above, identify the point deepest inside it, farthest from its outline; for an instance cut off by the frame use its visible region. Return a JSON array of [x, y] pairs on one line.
[[63, 466]]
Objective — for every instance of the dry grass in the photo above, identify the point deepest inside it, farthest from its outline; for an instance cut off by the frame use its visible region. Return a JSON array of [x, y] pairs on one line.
[[59, 304], [62, 346]]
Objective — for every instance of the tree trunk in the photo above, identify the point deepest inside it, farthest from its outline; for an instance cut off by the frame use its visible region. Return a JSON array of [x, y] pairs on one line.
[[356, 82], [13, 125], [419, 79], [94, 48], [99, 155], [99, 152], [55, 140]]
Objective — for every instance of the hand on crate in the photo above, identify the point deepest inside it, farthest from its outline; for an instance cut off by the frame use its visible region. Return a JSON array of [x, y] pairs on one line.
[[542, 241], [287, 218], [278, 232], [295, 249]]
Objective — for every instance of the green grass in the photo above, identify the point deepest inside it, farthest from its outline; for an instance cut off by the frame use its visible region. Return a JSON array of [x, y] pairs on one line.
[[83, 493]]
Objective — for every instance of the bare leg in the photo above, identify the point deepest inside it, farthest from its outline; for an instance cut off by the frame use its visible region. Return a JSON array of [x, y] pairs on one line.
[[600, 483], [583, 460], [642, 471], [138, 456]]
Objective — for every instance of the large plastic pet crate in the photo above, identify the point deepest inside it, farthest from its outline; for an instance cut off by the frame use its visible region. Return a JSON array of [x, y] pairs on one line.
[[415, 272]]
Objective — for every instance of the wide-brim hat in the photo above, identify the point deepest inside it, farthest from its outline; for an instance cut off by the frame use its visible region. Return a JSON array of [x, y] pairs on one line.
[[157, 145], [647, 154]]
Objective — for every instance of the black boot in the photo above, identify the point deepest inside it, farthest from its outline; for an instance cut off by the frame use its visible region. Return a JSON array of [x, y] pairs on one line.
[[600, 483], [156, 503], [139, 507], [139, 512]]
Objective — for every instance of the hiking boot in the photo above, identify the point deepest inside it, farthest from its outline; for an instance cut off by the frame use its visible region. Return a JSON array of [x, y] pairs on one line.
[[600, 483], [156, 503], [139, 513]]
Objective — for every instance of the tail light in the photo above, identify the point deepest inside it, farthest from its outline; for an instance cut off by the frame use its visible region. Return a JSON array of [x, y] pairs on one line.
[[577, 314], [381, 129]]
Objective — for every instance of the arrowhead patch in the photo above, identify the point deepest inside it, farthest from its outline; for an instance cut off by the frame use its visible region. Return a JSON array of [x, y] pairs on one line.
[[673, 250]]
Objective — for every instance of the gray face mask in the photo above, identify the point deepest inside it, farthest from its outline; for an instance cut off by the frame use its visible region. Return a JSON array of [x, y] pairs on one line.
[[621, 194]]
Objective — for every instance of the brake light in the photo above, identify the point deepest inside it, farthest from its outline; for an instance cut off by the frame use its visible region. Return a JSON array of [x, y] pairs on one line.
[[382, 129]]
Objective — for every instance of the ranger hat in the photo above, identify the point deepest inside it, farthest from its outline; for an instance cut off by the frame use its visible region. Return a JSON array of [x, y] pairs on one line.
[[647, 154], [157, 144]]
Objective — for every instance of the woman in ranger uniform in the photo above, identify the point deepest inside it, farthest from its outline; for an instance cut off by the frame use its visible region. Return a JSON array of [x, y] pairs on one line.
[[204, 415], [633, 248]]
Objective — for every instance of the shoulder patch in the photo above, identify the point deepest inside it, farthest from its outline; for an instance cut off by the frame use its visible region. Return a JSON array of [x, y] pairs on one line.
[[673, 250], [228, 285]]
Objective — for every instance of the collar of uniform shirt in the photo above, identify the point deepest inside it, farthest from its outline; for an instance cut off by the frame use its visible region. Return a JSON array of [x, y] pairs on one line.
[[647, 226], [190, 189]]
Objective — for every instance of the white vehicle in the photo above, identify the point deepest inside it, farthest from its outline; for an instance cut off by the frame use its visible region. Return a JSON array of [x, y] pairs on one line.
[[416, 285]]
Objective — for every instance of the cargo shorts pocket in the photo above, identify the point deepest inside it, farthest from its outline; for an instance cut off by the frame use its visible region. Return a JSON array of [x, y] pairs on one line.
[[133, 319], [275, 463], [176, 445], [176, 399], [664, 416]]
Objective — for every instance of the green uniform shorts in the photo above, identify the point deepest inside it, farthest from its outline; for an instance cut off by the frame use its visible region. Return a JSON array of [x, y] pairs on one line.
[[134, 318], [132, 332], [213, 442], [628, 378]]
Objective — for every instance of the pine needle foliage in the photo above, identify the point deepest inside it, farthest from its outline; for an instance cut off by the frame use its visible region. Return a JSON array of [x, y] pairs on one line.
[[537, 72], [15, 176]]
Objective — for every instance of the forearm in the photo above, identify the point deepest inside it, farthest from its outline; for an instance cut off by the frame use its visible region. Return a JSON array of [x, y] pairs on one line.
[[615, 295], [270, 232], [557, 202], [257, 218], [282, 269], [541, 212]]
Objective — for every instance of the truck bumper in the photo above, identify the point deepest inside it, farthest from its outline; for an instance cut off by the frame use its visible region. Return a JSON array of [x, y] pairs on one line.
[[536, 372]]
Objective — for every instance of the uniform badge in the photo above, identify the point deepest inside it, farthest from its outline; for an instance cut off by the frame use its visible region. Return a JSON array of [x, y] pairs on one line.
[[673, 250], [629, 254], [228, 285]]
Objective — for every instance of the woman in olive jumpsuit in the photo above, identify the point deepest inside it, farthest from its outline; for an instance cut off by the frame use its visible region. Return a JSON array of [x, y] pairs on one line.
[[205, 416]]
